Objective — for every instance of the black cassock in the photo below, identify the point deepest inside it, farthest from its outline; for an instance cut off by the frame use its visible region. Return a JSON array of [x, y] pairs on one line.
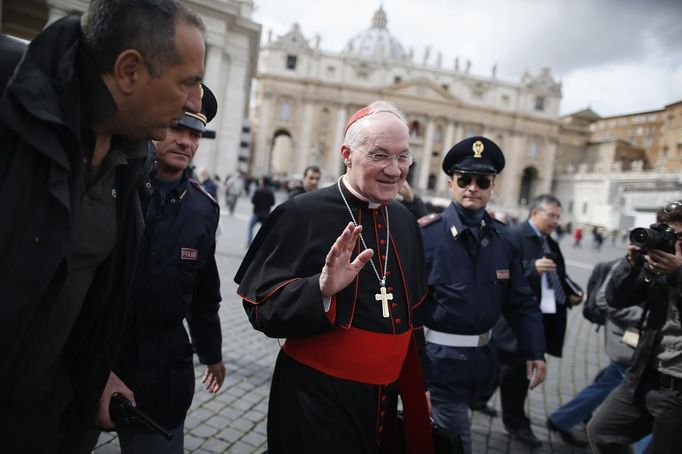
[[336, 380]]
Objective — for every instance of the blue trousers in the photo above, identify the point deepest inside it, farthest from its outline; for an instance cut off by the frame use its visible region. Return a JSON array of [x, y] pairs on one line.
[[457, 376], [586, 401]]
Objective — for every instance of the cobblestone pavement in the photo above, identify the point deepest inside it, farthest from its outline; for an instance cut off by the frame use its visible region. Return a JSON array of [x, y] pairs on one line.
[[234, 420]]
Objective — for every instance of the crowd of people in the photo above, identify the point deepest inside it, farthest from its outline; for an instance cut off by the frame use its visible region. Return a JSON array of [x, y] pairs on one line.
[[109, 284]]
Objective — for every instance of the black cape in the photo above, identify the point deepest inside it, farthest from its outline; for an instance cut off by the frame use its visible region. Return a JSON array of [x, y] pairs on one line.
[[311, 411]]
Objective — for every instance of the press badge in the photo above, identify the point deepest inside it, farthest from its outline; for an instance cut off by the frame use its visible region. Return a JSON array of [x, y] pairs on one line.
[[548, 301]]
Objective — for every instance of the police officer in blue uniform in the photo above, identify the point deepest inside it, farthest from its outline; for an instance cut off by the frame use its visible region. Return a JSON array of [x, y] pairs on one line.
[[474, 274], [176, 278]]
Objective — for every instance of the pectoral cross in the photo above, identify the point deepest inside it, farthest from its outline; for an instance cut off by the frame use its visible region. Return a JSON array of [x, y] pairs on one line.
[[384, 298]]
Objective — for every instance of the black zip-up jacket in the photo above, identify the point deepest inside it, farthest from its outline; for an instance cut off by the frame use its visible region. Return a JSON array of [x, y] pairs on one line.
[[176, 278], [44, 138]]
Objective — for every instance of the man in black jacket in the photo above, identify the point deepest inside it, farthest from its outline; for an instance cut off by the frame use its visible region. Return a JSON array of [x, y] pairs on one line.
[[263, 200], [311, 181], [74, 121], [650, 397], [544, 268]]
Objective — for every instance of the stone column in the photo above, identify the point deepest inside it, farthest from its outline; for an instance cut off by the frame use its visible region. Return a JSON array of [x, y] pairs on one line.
[[545, 185], [302, 155], [262, 153], [449, 141], [235, 93], [427, 149], [340, 168], [516, 150], [216, 64]]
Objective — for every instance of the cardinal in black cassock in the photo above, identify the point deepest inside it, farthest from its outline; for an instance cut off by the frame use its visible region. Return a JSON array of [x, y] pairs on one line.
[[346, 357]]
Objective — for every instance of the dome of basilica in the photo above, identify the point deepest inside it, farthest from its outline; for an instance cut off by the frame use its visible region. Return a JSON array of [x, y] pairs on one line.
[[376, 42]]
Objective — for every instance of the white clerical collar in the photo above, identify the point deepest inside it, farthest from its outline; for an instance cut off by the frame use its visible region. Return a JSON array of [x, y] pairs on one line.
[[372, 205]]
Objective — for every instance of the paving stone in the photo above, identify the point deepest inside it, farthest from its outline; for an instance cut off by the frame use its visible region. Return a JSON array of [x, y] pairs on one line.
[[254, 439], [242, 448], [204, 431], [215, 445], [218, 421], [230, 434], [192, 443], [243, 424]]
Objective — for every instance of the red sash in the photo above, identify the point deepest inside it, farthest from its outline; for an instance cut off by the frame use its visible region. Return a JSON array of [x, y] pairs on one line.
[[375, 358], [353, 354]]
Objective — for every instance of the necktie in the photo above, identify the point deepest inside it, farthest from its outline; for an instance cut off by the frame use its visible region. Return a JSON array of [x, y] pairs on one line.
[[553, 278]]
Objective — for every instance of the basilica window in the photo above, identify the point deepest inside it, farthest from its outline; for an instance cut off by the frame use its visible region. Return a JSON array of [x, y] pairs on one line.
[[415, 129], [540, 103], [285, 110], [431, 183], [533, 149], [291, 62], [438, 135]]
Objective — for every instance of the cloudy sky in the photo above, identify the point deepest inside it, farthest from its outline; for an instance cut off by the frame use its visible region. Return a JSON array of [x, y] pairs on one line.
[[615, 56]]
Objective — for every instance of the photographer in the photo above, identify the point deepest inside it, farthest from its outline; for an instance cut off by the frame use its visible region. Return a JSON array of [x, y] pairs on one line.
[[650, 397]]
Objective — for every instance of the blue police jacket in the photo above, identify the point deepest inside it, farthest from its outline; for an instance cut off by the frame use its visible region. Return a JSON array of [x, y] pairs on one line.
[[176, 278], [474, 279]]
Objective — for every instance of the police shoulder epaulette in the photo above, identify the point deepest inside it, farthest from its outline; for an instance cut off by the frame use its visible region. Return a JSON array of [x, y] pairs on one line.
[[428, 219], [201, 189]]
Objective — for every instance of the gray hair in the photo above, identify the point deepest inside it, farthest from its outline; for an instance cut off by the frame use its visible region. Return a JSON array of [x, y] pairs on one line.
[[541, 201], [356, 135], [112, 26]]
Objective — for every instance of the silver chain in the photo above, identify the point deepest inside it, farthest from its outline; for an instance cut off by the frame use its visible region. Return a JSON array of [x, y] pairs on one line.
[[382, 281]]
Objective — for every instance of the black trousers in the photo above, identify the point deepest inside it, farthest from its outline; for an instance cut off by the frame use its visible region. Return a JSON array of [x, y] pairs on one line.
[[625, 417], [513, 390], [310, 412]]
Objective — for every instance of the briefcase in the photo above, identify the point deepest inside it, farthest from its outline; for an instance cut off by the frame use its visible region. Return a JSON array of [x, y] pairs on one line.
[[444, 441]]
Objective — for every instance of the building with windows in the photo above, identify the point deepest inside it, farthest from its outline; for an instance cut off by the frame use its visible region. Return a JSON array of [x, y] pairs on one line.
[[305, 95], [614, 172], [232, 44]]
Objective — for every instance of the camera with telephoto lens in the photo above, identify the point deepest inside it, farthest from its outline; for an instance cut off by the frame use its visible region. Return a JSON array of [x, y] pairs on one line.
[[658, 236]]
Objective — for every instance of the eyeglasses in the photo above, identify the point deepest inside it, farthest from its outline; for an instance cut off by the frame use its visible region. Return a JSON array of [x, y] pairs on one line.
[[550, 215], [384, 159], [672, 206], [482, 181]]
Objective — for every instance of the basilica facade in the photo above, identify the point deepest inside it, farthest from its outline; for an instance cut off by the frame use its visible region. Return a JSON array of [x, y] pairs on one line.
[[305, 95]]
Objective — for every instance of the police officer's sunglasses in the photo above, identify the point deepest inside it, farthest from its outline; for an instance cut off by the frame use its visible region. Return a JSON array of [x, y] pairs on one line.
[[482, 181]]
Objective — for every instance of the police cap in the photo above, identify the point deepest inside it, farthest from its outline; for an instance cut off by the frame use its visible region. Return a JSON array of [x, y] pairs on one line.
[[474, 155], [209, 107]]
